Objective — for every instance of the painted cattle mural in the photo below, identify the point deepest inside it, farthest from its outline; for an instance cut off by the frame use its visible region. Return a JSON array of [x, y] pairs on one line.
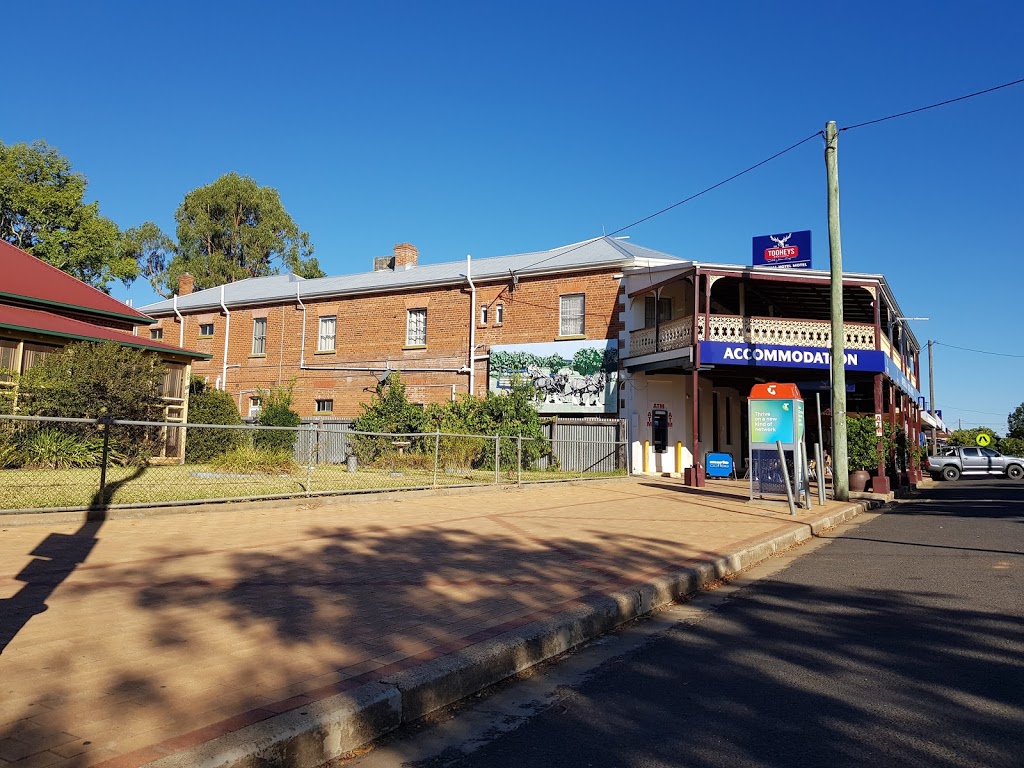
[[568, 377]]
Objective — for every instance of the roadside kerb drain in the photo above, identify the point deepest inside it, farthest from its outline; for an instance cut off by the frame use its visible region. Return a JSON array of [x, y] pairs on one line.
[[324, 730]]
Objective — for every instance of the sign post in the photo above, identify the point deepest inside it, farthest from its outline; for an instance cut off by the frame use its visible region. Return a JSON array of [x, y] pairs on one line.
[[776, 421]]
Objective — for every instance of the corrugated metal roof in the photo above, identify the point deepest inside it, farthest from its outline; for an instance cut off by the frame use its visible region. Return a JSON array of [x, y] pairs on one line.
[[33, 280], [602, 251], [66, 328]]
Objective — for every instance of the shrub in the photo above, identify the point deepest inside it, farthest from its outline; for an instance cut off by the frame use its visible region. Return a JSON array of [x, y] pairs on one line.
[[277, 412], [1012, 446], [90, 379], [55, 449], [210, 406], [861, 443], [250, 460], [389, 413]]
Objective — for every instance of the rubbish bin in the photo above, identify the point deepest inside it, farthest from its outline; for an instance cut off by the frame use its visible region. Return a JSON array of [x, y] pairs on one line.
[[351, 461]]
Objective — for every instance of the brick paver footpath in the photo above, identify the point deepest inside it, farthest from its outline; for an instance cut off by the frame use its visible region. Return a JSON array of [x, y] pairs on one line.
[[131, 639]]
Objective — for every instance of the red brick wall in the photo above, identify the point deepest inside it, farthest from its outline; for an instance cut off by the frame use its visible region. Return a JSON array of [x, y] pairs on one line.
[[371, 333]]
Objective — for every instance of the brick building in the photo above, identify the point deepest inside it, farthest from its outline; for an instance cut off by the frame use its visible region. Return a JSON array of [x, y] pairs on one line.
[[336, 337]]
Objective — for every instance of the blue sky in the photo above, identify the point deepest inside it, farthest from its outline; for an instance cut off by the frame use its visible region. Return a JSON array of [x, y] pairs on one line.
[[496, 128]]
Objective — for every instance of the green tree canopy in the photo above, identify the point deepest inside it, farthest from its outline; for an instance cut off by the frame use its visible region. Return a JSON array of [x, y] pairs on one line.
[[152, 250], [234, 229], [1015, 423], [43, 211]]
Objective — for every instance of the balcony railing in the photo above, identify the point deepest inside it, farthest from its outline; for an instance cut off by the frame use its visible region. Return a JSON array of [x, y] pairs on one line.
[[783, 331], [675, 334], [678, 334]]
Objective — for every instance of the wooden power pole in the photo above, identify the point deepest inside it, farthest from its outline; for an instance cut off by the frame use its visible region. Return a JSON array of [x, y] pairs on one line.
[[841, 460]]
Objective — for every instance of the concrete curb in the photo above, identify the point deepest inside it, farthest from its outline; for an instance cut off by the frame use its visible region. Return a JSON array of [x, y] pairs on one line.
[[316, 733]]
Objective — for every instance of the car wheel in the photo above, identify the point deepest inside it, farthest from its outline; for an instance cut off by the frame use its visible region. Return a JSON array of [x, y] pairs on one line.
[[1015, 471], [950, 473]]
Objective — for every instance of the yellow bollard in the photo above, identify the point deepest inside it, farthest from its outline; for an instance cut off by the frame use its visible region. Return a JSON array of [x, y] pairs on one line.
[[647, 451], [679, 458]]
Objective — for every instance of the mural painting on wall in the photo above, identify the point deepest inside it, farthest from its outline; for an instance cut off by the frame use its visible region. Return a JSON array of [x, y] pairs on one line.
[[567, 376]]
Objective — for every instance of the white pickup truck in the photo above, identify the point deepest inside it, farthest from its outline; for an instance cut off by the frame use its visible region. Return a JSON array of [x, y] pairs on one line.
[[974, 461]]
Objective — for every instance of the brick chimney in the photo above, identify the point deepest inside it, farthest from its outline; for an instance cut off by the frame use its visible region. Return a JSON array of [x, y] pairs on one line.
[[405, 256], [185, 283]]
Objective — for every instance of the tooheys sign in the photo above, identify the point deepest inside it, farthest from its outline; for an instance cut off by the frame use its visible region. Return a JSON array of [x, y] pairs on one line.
[[787, 250]]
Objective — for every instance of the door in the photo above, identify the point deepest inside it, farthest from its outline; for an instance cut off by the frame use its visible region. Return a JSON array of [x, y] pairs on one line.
[[973, 461]]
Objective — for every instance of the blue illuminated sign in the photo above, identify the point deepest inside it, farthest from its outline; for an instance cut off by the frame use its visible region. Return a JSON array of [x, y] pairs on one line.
[[777, 356]]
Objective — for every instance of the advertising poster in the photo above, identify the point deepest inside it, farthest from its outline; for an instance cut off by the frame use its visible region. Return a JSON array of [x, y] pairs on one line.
[[771, 420]]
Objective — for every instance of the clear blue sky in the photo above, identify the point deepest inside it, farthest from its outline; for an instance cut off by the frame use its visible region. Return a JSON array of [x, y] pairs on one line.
[[495, 128]]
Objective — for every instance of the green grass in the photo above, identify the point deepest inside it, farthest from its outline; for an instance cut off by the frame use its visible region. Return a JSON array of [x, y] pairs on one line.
[[33, 489]]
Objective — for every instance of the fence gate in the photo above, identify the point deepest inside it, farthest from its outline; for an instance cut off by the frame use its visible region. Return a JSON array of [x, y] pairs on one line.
[[587, 445], [323, 441]]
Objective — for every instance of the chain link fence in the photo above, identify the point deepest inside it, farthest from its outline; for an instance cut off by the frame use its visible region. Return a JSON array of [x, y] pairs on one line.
[[80, 463]]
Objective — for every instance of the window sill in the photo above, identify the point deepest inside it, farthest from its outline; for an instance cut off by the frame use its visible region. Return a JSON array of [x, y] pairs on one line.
[[206, 337], [326, 352], [573, 337], [263, 355], [324, 413], [415, 346]]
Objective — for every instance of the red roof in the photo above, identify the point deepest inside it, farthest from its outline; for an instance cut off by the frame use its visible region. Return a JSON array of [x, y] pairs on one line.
[[50, 324], [24, 276]]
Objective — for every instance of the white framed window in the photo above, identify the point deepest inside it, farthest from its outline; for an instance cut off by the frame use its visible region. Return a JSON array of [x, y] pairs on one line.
[[206, 329], [325, 406], [328, 330], [483, 315], [416, 328], [259, 336], [156, 333], [499, 314], [571, 313], [255, 406]]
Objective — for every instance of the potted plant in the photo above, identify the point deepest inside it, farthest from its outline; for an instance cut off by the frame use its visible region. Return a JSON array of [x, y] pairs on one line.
[[862, 450]]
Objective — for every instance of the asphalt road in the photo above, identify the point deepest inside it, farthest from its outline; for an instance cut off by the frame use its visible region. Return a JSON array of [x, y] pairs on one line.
[[898, 641]]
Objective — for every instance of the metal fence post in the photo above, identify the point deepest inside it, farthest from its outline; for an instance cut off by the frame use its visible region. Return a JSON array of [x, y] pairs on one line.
[[785, 476], [437, 454], [105, 421], [310, 453], [497, 459], [519, 460]]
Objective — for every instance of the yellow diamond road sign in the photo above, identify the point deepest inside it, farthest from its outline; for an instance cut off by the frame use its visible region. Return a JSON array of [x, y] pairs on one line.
[[984, 439]]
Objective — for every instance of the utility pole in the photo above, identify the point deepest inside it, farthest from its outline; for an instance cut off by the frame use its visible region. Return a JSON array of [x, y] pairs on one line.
[[931, 396], [841, 461]]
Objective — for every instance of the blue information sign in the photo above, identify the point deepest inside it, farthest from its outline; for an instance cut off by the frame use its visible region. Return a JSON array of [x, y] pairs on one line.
[[719, 465], [786, 250]]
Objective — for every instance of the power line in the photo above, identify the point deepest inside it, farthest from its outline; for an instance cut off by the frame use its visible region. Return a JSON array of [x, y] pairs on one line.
[[681, 202], [978, 351], [768, 160], [933, 106]]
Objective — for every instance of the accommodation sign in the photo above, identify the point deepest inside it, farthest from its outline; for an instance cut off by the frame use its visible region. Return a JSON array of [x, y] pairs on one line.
[[786, 250], [778, 356]]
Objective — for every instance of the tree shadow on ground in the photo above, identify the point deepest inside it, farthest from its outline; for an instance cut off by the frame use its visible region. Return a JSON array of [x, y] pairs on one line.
[[272, 626]]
